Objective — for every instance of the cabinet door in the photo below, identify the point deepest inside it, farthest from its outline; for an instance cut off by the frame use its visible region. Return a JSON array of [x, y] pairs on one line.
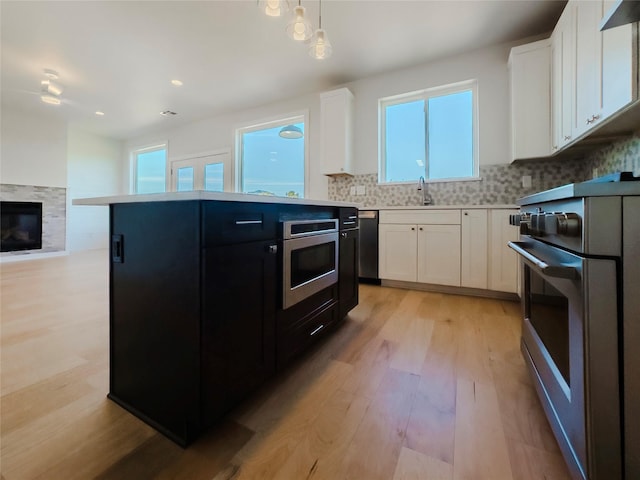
[[336, 130], [503, 262], [398, 252], [238, 322], [474, 248], [562, 42], [439, 254], [348, 266], [588, 49], [618, 85], [530, 71]]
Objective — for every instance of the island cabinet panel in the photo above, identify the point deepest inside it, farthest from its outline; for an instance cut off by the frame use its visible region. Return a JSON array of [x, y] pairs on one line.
[[155, 315], [348, 264], [238, 322], [196, 317]]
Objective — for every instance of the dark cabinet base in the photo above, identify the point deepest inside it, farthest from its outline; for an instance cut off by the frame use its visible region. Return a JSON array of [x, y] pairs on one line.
[[196, 318]]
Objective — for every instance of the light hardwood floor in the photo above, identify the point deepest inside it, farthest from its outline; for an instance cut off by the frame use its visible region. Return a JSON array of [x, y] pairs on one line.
[[414, 385]]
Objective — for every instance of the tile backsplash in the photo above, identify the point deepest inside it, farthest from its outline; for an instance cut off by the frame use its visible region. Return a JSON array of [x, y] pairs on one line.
[[498, 184]]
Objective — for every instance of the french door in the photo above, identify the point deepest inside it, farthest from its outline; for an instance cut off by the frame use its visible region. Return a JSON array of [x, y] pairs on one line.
[[208, 172]]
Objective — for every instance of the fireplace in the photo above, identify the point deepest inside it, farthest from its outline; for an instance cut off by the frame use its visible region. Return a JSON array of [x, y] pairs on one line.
[[21, 226]]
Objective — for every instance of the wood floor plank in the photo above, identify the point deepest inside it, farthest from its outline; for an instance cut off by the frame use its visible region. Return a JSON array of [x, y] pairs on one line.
[[416, 466], [480, 444], [375, 448]]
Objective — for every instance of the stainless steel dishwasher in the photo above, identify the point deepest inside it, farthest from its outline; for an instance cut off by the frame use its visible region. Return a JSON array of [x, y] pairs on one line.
[[369, 246]]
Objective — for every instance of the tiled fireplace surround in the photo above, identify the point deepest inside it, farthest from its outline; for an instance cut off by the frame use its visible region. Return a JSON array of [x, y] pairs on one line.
[[54, 213], [498, 184]]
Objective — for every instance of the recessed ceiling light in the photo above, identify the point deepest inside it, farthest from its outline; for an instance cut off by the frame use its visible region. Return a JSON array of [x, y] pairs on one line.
[[99, 113], [168, 113], [177, 83]]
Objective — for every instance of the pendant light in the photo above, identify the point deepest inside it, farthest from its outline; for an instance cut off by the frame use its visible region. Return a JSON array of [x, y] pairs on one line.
[[291, 132], [274, 8], [299, 28], [320, 48]]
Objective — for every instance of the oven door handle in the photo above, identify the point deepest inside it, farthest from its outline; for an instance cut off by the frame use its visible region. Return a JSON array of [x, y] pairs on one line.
[[557, 271]]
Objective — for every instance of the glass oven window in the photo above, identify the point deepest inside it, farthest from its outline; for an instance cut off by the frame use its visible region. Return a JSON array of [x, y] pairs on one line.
[[312, 262], [548, 312]]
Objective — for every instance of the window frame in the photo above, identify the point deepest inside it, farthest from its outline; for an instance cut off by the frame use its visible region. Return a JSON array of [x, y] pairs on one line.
[[426, 94], [266, 123], [133, 162]]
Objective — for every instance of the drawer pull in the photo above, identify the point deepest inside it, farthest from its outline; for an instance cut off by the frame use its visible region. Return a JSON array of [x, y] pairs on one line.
[[348, 223], [316, 330], [248, 222], [352, 217]]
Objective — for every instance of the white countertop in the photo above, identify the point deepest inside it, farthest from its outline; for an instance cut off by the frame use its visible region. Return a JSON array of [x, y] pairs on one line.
[[203, 195], [444, 207]]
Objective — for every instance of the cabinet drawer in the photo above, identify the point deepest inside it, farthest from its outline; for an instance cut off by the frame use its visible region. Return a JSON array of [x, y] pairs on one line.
[[295, 341], [348, 218], [226, 222], [424, 217]]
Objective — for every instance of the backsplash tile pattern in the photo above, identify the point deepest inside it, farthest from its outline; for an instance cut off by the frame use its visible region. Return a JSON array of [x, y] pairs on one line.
[[54, 213], [621, 156], [499, 184]]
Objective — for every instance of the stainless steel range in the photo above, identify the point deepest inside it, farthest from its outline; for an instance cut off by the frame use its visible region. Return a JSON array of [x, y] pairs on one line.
[[580, 250]]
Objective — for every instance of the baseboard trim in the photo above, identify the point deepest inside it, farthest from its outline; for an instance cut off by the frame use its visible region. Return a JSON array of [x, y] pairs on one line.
[[474, 292]]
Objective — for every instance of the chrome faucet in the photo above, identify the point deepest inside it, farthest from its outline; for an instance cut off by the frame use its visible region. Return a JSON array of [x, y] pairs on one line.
[[422, 187]]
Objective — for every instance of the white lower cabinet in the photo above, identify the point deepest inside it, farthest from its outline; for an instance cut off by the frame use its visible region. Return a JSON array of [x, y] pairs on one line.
[[503, 262], [398, 247], [474, 248], [439, 254], [465, 248]]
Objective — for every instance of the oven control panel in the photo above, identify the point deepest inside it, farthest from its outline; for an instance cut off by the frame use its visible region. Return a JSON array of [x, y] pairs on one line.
[[548, 223]]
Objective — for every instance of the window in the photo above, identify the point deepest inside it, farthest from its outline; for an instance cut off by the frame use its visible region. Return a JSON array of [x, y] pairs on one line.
[[150, 169], [271, 164], [430, 134]]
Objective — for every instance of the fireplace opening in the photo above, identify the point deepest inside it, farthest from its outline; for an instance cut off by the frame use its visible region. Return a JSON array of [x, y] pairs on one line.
[[21, 226]]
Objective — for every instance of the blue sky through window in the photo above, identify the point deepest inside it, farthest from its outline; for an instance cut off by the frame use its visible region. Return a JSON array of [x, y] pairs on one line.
[[151, 171], [272, 165]]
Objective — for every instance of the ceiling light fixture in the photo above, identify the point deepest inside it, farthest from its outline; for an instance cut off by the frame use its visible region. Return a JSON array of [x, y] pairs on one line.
[[291, 132], [177, 83], [299, 28], [50, 91], [273, 8], [99, 113], [50, 99], [320, 48]]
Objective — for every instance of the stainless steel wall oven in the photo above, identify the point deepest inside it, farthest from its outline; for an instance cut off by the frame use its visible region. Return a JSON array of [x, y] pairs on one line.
[[310, 258], [580, 252]]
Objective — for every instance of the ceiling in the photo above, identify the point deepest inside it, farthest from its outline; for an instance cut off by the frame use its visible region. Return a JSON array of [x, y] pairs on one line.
[[120, 56]]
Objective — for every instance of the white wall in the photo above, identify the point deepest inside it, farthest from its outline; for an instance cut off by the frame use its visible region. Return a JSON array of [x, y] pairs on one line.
[[34, 149], [93, 169], [488, 66]]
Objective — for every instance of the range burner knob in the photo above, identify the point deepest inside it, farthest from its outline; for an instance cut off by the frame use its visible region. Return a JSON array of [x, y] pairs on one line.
[[565, 224]]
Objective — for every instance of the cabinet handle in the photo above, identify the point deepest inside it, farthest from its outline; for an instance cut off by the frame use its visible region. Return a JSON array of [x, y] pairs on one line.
[[248, 222], [352, 217], [420, 228], [343, 235], [413, 229], [595, 117], [567, 137], [348, 223], [272, 249], [589, 121], [316, 330], [466, 213]]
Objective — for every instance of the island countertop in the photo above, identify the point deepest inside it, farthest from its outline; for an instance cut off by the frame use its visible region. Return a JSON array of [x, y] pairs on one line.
[[205, 195]]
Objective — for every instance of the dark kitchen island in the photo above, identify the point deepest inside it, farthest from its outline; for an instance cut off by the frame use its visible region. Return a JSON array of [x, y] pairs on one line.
[[197, 317]]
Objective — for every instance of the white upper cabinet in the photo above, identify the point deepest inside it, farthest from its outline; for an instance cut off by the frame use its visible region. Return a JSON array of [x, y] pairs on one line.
[[562, 75], [336, 147], [530, 83], [604, 79]]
